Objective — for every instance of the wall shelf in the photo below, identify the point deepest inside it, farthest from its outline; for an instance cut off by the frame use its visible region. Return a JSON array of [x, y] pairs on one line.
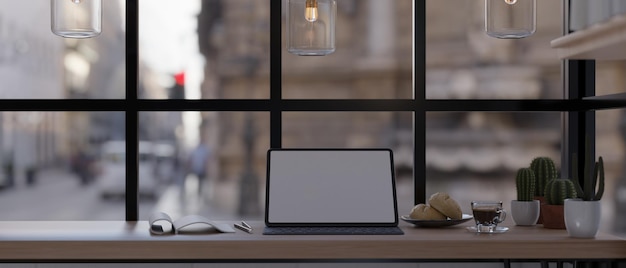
[[601, 41]]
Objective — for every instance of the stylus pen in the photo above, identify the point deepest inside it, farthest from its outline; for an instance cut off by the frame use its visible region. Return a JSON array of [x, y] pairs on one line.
[[243, 228]]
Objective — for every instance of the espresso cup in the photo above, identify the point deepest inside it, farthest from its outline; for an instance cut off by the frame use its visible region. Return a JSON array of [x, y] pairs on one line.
[[487, 215]]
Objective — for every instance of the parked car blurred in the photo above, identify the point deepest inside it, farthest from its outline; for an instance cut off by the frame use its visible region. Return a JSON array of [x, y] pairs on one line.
[[166, 164], [112, 178]]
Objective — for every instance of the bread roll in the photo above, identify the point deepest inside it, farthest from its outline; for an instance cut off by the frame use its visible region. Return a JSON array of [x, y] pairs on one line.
[[446, 205], [425, 212]]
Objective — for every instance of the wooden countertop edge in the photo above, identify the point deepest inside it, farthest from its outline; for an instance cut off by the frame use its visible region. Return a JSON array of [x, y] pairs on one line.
[[312, 249], [128, 241]]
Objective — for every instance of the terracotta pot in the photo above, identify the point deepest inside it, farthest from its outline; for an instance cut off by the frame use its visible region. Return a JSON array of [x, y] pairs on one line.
[[553, 216], [542, 200]]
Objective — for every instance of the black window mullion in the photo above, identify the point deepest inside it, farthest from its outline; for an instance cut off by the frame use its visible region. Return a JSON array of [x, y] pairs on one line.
[[62, 105], [419, 112], [580, 126], [132, 110], [276, 74]]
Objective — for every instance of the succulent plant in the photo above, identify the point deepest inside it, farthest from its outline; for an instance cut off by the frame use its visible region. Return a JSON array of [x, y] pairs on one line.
[[591, 180], [557, 190], [525, 183], [545, 170]]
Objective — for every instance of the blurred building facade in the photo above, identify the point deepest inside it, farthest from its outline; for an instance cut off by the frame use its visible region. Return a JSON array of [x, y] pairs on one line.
[[30, 65], [36, 64], [373, 61]]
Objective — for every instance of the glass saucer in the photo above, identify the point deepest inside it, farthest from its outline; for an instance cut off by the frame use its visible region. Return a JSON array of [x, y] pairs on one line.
[[498, 230]]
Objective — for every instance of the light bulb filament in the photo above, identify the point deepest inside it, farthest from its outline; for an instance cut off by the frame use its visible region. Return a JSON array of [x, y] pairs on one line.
[[310, 11], [510, 2]]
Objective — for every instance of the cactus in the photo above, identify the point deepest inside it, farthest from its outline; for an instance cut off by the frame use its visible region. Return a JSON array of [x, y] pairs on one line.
[[526, 183], [590, 178], [545, 171], [557, 190]]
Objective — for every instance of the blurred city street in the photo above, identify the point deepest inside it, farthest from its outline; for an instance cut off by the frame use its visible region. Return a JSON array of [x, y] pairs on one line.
[[59, 195]]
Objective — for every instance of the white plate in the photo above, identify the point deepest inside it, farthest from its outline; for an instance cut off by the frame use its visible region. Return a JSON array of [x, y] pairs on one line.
[[436, 223], [498, 230]]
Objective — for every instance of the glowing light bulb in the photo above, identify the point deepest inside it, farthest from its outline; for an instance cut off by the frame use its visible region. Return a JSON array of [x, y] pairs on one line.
[[310, 12], [510, 2], [313, 35], [76, 1]]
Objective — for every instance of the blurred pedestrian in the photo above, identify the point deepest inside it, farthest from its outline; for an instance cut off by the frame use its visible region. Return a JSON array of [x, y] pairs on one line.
[[198, 163], [31, 175], [83, 165]]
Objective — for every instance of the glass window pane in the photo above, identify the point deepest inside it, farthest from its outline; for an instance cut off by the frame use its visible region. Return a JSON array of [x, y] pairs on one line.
[[206, 163], [53, 168], [475, 155], [36, 64], [610, 77], [204, 49], [373, 57], [357, 130], [611, 145], [464, 63]]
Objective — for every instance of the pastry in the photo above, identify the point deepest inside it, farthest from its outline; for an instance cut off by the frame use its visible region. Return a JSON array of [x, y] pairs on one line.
[[426, 212], [446, 205]]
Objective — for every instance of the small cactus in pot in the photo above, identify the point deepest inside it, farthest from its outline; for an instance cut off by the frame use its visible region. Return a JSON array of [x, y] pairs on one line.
[[545, 171], [556, 192], [583, 215], [525, 210], [525, 183], [593, 180]]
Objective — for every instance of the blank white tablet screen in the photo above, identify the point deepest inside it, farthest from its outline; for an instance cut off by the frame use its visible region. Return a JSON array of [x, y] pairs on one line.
[[328, 186]]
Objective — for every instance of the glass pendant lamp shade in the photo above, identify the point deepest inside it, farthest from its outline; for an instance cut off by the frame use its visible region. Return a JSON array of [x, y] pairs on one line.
[[311, 27], [510, 19], [76, 18]]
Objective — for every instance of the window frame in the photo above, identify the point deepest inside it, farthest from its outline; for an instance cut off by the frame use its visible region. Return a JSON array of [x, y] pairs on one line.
[[578, 105]]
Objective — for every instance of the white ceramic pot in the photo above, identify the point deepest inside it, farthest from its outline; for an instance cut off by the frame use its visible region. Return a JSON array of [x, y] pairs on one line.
[[525, 212], [582, 218]]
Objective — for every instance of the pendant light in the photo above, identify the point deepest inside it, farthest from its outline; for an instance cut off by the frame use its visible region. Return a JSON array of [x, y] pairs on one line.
[[76, 18], [510, 19], [311, 27]]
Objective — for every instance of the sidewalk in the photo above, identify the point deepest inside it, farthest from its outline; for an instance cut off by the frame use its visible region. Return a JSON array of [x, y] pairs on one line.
[[219, 200]]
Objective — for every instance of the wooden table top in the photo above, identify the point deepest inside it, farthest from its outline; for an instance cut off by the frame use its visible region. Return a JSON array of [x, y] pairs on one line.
[[120, 240]]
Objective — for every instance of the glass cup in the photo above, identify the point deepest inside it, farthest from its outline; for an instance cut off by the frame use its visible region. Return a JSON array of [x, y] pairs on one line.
[[487, 215]]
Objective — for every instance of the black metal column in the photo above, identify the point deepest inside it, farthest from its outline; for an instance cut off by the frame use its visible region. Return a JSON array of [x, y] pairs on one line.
[[579, 125], [419, 116], [276, 74], [132, 110]]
